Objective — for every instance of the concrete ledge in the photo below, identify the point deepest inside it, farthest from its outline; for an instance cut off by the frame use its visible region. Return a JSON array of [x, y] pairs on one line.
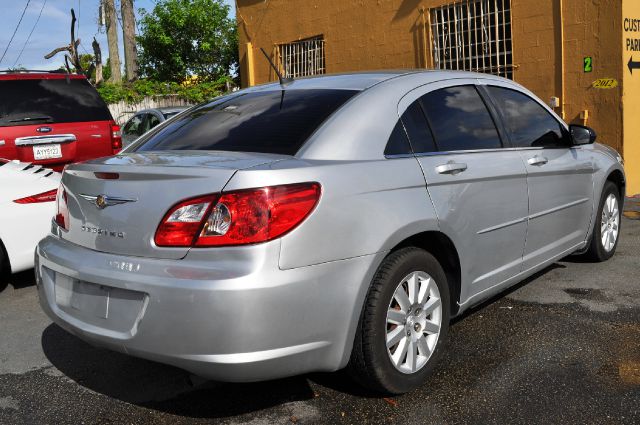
[[632, 207]]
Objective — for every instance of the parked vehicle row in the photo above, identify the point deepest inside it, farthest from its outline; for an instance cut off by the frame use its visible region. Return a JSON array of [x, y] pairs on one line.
[[53, 119], [27, 204], [329, 222], [145, 120]]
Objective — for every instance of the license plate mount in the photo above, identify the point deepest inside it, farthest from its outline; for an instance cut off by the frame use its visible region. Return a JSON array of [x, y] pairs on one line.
[[52, 151]]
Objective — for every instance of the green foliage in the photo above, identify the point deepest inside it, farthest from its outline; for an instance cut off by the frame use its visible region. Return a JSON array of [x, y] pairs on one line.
[[106, 70], [182, 38], [134, 92]]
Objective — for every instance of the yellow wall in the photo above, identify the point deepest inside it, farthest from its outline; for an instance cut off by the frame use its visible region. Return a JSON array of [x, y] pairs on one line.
[[590, 29], [631, 99], [389, 34]]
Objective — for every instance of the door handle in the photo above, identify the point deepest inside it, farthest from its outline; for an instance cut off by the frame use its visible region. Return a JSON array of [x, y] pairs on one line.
[[537, 160], [451, 168]]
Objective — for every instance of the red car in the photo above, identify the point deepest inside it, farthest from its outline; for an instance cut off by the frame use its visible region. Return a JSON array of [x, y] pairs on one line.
[[54, 119]]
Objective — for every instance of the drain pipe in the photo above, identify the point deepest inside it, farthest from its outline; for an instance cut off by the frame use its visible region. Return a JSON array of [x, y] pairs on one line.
[[562, 84], [424, 38]]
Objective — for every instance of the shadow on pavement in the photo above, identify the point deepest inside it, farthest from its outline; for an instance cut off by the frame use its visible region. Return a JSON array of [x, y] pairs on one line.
[[161, 387], [18, 280]]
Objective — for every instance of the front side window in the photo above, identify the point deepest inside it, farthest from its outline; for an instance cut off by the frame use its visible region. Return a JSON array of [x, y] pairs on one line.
[[527, 122], [277, 121], [460, 120]]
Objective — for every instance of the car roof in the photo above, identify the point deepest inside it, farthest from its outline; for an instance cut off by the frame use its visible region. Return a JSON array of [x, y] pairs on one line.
[[170, 109], [163, 110], [38, 75], [367, 79]]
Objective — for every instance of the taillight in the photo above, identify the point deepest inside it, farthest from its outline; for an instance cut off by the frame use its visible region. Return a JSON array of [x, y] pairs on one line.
[[62, 212], [238, 218], [48, 196], [116, 139]]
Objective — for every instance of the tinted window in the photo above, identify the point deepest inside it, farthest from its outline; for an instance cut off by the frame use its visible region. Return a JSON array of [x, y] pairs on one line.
[[25, 102], [153, 121], [528, 123], [398, 143], [134, 126], [418, 129], [460, 120], [268, 121]]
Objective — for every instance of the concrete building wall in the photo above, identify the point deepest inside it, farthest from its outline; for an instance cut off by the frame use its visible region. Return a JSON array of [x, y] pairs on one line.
[[551, 38]]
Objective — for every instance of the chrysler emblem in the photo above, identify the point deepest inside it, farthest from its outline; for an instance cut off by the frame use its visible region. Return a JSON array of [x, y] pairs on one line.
[[103, 201]]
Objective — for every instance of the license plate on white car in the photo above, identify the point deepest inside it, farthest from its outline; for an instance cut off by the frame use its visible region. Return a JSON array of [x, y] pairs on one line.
[[47, 152]]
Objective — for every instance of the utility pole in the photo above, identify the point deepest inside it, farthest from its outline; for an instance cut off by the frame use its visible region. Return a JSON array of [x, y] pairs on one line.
[[112, 39], [129, 36]]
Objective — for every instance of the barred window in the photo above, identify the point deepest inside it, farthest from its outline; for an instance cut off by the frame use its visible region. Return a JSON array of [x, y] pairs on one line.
[[302, 58], [473, 35]]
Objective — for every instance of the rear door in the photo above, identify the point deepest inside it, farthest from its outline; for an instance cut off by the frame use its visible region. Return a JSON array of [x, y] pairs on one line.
[[560, 176], [478, 189], [52, 120]]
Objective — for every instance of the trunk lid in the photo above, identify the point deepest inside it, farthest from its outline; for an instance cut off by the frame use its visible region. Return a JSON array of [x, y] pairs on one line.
[[148, 185]]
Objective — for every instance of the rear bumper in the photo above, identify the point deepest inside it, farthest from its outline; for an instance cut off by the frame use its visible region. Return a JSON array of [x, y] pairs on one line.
[[229, 314]]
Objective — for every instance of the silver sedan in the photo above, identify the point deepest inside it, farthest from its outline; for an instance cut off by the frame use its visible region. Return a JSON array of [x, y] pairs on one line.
[[329, 222]]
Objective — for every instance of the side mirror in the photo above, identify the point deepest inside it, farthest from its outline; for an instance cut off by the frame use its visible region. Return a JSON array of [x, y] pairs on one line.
[[581, 135]]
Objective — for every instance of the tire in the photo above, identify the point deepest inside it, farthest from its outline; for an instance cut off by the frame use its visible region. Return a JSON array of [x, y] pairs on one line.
[[609, 223], [4, 268], [371, 363]]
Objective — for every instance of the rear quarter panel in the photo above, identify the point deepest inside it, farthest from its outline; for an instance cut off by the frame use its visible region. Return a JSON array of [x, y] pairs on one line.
[[366, 207]]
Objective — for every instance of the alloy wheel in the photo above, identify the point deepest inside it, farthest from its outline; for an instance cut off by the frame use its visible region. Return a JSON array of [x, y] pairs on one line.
[[414, 319], [610, 222]]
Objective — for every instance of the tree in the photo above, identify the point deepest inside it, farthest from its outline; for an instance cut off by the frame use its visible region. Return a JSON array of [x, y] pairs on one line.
[[129, 39], [71, 49], [112, 39], [106, 70], [182, 38]]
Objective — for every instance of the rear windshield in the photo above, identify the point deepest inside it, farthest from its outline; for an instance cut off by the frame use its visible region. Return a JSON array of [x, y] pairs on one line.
[[276, 122], [25, 102]]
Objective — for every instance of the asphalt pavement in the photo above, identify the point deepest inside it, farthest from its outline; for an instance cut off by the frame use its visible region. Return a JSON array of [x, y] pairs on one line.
[[561, 347]]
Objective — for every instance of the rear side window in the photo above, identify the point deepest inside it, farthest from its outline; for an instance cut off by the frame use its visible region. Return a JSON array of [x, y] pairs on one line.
[[460, 119], [26, 102], [276, 122], [418, 129], [398, 143], [527, 122], [134, 126]]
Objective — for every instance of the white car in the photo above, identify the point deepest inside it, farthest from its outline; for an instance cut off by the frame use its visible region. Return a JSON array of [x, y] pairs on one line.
[[27, 205]]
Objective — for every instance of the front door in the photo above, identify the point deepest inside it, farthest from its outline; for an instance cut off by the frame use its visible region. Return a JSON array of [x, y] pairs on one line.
[[559, 177]]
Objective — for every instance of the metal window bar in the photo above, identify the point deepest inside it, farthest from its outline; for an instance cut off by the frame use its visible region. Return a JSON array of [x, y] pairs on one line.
[[473, 35], [302, 58]]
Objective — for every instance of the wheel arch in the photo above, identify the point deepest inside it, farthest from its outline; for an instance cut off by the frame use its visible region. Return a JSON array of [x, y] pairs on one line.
[[617, 177], [443, 249], [5, 263]]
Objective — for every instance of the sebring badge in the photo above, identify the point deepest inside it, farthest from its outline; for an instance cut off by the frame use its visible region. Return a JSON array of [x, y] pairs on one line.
[[103, 201]]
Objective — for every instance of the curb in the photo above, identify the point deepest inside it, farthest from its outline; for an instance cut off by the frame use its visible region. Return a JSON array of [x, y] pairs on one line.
[[632, 207]]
